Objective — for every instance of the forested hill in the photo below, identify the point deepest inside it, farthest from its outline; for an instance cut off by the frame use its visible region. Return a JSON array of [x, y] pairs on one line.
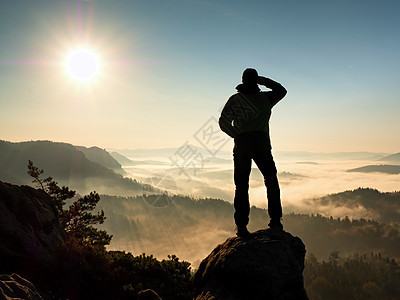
[[83, 171], [383, 206], [102, 157]]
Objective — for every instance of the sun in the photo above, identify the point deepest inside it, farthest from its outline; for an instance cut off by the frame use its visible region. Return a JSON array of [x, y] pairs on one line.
[[82, 65]]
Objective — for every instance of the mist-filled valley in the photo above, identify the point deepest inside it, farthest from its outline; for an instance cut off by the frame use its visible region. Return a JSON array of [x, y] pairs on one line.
[[304, 178], [191, 228], [179, 200]]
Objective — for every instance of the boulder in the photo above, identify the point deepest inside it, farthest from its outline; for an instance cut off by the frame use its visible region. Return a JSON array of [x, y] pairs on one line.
[[266, 265], [29, 228]]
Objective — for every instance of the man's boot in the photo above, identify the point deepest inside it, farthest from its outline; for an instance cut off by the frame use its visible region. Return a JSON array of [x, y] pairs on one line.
[[241, 231], [275, 224]]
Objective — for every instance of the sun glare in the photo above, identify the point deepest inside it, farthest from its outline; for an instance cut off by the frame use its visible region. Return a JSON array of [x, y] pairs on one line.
[[82, 65]]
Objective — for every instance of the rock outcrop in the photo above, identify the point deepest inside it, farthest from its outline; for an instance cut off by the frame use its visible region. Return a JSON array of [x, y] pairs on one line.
[[15, 287], [265, 265], [29, 228]]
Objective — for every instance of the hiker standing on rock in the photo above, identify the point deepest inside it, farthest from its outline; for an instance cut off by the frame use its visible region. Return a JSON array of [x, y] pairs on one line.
[[245, 118]]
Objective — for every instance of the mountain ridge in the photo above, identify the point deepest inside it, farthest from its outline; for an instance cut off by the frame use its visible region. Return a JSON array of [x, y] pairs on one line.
[[392, 158], [102, 157], [386, 169], [68, 165]]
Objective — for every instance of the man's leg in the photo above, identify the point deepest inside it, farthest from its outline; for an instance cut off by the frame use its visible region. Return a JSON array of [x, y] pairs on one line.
[[242, 168], [266, 164]]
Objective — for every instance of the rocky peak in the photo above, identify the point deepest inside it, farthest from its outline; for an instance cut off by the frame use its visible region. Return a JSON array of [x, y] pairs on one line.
[[265, 265]]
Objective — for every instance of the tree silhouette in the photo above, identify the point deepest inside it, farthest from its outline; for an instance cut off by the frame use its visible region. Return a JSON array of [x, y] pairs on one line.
[[78, 219]]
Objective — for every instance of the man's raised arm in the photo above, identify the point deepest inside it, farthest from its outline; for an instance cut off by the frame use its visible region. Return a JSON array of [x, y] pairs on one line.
[[278, 91]]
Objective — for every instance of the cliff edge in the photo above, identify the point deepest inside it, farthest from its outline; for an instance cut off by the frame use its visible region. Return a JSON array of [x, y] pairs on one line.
[[29, 228]]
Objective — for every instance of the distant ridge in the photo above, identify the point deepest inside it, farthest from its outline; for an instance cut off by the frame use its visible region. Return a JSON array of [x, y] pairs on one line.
[[122, 159], [392, 158], [102, 157], [387, 169], [226, 155], [125, 161], [164, 152], [305, 156]]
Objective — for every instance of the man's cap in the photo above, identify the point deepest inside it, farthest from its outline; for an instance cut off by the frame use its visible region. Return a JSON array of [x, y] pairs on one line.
[[250, 76]]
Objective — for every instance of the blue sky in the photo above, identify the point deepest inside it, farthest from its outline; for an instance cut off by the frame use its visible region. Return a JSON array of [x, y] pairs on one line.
[[167, 67]]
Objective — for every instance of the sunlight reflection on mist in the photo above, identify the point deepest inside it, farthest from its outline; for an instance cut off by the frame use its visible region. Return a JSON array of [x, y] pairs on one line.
[[299, 182]]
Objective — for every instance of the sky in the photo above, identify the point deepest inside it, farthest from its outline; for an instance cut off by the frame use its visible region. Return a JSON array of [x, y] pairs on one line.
[[166, 68]]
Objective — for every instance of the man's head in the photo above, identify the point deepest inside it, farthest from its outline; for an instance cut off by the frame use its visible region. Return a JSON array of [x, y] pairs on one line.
[[250, 76]]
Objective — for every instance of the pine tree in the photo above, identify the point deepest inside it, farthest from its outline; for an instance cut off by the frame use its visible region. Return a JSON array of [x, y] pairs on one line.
[[78, 220]]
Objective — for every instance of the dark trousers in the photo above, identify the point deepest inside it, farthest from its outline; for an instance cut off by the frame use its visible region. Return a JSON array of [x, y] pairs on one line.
[[254, 145]]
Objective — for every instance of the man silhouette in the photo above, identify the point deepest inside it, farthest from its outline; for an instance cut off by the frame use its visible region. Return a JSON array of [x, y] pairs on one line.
[[245, 117]]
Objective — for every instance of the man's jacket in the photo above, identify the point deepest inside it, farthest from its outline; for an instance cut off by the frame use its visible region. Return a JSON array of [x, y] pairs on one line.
[[250, 108]]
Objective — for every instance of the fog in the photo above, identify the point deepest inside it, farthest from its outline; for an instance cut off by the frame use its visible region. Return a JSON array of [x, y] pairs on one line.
[[161, 226], [300, 180], [190, 228]]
